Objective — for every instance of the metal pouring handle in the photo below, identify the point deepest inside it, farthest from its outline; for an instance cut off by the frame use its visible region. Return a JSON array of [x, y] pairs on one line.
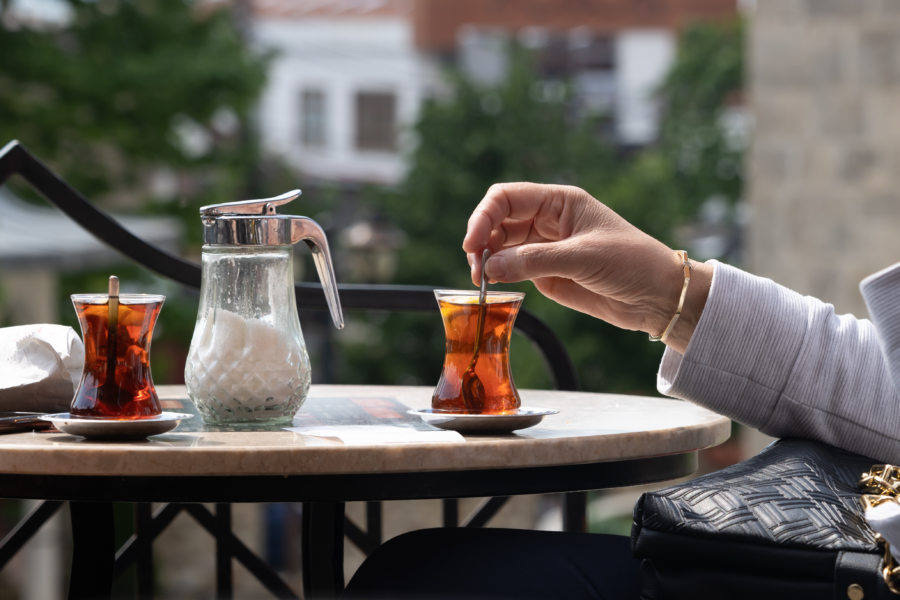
[[306, 230]]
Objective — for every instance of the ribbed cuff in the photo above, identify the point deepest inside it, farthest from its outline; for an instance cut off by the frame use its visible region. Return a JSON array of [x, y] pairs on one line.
[[881, 291]]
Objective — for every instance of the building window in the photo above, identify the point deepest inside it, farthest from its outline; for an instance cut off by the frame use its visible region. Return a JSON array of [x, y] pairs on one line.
[[312, 121], [376, 121]]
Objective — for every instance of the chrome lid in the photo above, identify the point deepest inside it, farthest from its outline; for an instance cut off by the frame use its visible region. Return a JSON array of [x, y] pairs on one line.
[[249, 222], [256, 223]]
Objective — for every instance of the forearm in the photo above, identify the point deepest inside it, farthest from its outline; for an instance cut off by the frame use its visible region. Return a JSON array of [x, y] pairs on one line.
[[787, 365]]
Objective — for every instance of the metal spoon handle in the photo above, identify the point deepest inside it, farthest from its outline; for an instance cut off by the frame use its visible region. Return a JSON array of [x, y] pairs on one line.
[[112, 331], [482, 309], [483, 291], [472, 388]]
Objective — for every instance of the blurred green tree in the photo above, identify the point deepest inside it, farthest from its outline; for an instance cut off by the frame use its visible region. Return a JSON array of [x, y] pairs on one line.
[[144, 107], [698, 156], [479, 136], [123, 90], [514, 131]]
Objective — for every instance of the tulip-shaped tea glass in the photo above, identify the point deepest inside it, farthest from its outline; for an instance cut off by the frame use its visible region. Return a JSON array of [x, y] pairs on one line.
[[116, 381], [476, 378]]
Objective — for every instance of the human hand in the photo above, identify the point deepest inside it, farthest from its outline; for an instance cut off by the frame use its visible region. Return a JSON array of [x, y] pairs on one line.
[[583, 255]]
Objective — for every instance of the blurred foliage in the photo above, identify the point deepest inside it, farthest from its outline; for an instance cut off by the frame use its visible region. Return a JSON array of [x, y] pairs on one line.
[[478, 137], [123, 95], [700, 151], [125, 88], [512, 131]]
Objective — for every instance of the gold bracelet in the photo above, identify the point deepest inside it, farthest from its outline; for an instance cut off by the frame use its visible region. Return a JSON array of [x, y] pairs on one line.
[[686, 265]]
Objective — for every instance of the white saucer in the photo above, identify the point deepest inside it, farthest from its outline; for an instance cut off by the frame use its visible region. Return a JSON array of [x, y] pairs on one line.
[[469, 423], [116, 429]]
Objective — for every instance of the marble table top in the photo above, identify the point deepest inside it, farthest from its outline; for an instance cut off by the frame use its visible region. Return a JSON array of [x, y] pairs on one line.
[[589, 427]]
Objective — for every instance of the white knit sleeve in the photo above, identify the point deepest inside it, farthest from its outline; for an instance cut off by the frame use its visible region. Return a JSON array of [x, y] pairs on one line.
[[786, 364]]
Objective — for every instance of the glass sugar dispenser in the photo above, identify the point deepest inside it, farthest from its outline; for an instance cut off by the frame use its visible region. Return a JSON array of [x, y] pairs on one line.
[[248, 363]]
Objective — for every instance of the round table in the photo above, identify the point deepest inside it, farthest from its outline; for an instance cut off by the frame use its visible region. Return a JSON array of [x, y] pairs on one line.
[[595, 441]]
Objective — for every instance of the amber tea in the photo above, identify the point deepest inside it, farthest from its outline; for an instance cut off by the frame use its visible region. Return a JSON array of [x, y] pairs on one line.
[[496, 393], [116, 380]]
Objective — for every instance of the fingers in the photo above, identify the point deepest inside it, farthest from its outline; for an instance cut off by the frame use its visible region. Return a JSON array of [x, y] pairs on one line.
[[518, 263], [509, 210], [512, 233], [526, 217], [532, 261], [576, 250]]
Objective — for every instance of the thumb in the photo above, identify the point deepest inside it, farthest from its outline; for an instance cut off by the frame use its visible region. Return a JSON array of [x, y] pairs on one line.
[[530, 261]]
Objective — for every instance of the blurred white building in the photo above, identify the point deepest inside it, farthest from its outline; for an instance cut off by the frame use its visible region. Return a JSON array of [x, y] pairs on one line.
[[349, 75], [344, 87]]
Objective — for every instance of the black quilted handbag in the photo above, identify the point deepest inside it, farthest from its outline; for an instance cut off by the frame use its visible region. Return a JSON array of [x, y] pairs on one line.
[[787, 523]]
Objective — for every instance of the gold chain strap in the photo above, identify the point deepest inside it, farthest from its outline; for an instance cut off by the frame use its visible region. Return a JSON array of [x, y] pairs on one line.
[[882, 484]]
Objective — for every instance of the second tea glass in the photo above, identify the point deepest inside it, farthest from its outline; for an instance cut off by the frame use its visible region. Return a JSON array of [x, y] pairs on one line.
[[497, 392], [116, 382]]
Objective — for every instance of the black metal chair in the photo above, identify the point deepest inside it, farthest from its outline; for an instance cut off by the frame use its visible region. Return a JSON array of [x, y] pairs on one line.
[[15, 159]]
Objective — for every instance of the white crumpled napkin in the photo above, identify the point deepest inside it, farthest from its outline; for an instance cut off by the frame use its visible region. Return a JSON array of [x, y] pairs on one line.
[[40, 367], [885, 519]]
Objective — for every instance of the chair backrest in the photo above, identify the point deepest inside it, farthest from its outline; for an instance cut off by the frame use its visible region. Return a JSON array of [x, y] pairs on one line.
[[15, 159]]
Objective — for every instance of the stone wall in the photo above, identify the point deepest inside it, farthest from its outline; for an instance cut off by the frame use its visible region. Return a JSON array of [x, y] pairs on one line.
[[824, 164]]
